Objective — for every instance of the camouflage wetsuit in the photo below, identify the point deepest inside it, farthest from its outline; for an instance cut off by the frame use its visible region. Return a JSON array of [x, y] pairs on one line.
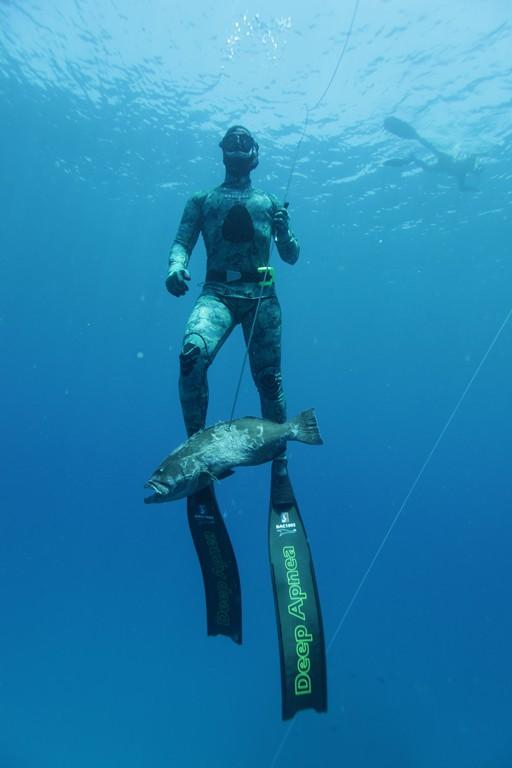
[[236, 224]]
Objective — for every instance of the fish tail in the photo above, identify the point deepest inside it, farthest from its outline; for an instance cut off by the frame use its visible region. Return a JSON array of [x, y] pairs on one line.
[[305, 428]]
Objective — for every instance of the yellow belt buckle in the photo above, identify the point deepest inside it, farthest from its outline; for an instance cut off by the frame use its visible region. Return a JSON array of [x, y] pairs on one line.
[[269, 275]]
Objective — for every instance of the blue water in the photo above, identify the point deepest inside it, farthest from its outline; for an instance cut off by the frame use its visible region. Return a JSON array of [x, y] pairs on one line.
[[111, 115]]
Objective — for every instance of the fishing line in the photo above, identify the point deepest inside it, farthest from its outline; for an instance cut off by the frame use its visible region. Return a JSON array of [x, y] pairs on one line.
[[340, 59], [418, 477], [287, 190]]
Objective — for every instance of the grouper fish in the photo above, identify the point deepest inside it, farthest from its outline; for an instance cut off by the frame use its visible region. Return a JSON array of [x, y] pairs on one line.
[[212, 453]]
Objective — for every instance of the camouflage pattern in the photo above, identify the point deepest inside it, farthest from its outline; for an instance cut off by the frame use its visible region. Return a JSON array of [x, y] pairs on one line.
[[223, 304], [206, 212]]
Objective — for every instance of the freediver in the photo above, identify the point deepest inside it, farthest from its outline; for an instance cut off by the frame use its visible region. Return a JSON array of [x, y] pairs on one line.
[[458, 168], [237, 223]]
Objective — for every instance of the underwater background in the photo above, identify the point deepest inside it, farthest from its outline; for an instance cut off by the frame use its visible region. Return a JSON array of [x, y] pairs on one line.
[[111, 114]]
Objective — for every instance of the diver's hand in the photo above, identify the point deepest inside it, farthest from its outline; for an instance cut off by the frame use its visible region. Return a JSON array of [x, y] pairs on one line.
[[176, 282], [280, 223]]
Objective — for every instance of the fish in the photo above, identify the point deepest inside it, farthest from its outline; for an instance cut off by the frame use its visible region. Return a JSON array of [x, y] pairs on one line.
[[213, 452]]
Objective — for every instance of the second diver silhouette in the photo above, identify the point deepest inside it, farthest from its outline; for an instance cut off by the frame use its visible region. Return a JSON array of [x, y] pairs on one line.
[[458, 168]]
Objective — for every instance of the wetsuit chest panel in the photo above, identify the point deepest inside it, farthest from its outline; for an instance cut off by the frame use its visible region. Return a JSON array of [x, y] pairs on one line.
[[238, 226]]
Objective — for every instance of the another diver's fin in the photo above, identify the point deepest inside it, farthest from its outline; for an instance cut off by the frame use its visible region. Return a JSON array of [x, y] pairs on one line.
[[218, 565], [398, 162], [401, 129], [305, 428], [405, 131], [298, 614]]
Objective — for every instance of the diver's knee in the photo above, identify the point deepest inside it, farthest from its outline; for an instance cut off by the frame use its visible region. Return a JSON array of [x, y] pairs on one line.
[[193, 356], [189, 358]]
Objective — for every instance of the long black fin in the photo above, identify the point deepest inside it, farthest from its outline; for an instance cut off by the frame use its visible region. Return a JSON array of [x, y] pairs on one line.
[[398, 162], [218, 565], [298, 614]]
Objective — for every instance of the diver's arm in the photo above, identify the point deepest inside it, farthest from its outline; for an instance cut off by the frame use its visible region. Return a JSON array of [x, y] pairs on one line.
[[186, 238], [287, 244], [288, 247]]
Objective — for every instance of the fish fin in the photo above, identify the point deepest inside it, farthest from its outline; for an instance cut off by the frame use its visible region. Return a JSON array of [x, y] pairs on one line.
[[226, 473], [398, 162], [223, 475], [206, 478], [212, 477], [306, 429]]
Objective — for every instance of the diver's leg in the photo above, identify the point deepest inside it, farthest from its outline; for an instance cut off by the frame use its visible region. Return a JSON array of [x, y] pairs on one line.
[[208, 327], [428, 145], [265, 357], [428, 167]]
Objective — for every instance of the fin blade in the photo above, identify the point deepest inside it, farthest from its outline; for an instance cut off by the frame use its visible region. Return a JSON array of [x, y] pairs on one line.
[[400, 128], [214, 551], [292, 568], [398, 162]]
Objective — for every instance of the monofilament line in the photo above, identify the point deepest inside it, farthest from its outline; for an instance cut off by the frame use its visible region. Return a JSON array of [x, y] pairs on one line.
[[402, 507], [418, 478], [340, 58]]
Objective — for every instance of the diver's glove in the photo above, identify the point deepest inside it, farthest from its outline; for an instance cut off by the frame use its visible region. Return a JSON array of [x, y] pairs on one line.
[[177, 278], [281, 225]]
